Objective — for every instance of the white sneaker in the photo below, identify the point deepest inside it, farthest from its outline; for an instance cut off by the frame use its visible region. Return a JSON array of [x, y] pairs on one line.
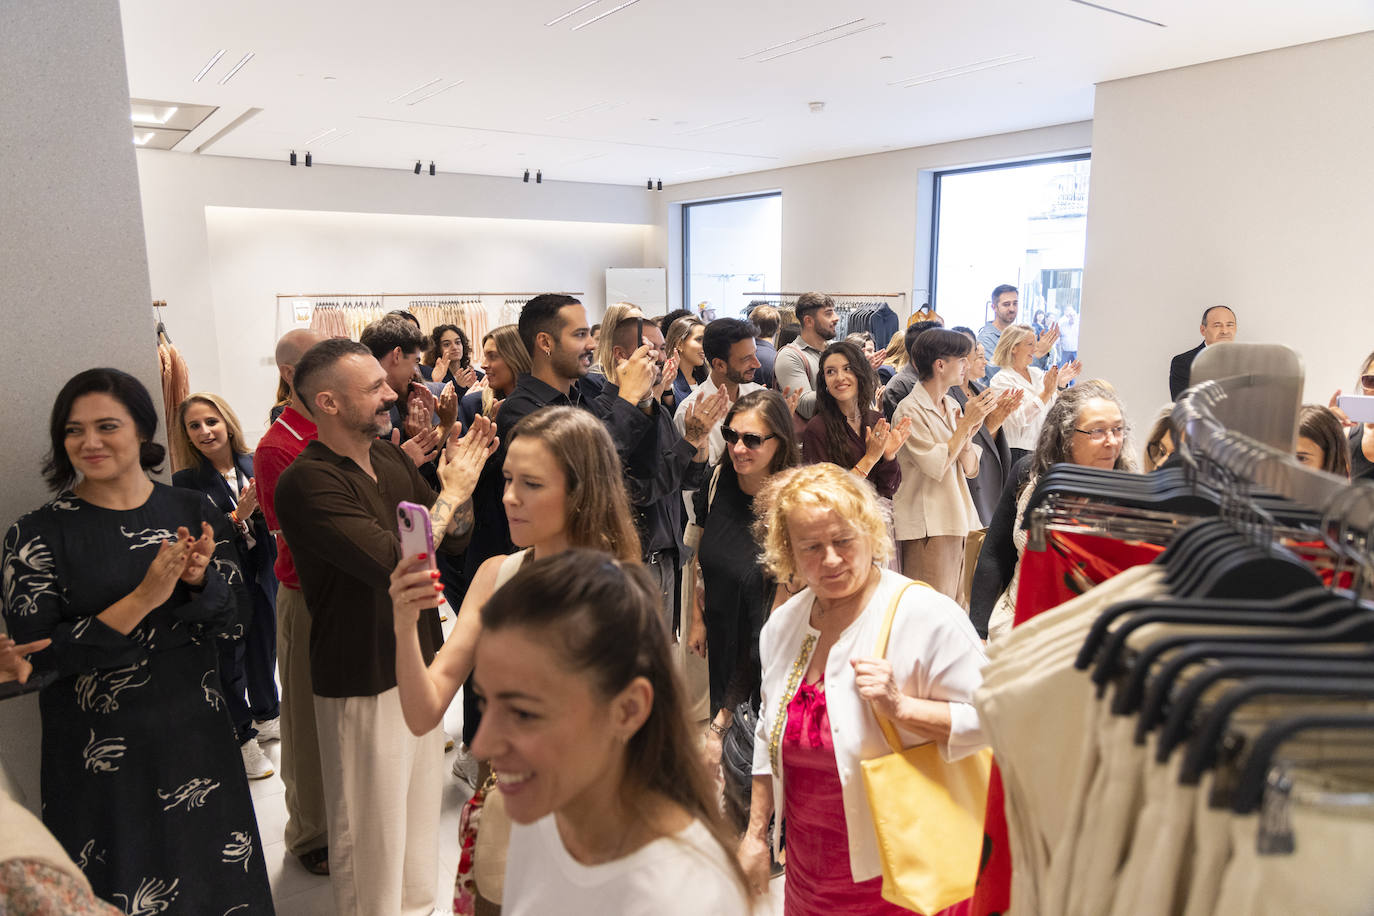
[[269, 730], [255, 763], [465, 766]]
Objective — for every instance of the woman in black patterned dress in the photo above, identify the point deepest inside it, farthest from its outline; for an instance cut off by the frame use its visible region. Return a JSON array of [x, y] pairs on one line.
[[140, 780]]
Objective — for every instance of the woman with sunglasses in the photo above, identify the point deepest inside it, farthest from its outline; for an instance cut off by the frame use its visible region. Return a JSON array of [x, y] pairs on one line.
[[1361, 434], [726, 619]]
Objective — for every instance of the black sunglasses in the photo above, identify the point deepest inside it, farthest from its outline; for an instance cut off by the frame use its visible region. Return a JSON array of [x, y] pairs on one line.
[[752, 441], [1367, 381]]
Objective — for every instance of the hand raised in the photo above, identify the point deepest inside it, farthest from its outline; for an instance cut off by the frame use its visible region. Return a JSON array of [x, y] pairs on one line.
[[164, 572], [448, 405], [875, 440], [421, 448], [1045, 342], [899, 434], [665, 381], [440, 369], [793, 398], [465, 378], [1069, 371], [463, 459], [701, 416], [636, 375], [199, 552], [414, 587], [876, 359], [248, 500]]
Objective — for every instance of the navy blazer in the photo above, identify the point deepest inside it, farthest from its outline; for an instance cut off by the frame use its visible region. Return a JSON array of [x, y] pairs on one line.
[[1181, 371], [256, 563], [993, 467]]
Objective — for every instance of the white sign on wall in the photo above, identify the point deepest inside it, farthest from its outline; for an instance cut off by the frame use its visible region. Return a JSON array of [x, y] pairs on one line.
[[646, 287]]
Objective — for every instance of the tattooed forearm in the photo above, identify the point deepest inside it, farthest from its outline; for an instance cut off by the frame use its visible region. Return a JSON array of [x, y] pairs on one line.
[[462, 519]]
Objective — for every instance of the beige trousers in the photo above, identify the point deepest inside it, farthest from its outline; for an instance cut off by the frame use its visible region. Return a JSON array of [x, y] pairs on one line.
[[307, 827], [383, 788], [938, 562]]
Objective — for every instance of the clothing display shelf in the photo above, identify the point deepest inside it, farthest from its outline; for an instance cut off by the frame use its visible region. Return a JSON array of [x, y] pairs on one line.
[[346, 314], [856, 311]]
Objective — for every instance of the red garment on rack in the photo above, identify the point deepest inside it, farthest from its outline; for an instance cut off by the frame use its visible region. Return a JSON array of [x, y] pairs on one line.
[[1070, 565]]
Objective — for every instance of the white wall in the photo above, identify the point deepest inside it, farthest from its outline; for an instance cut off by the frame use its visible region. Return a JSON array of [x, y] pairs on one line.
[[256, 254], [1245, 182], [71, 254], [557, 228], [862, 224]]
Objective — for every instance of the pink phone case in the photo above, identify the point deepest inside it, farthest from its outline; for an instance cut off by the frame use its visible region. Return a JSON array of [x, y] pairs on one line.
[[417, 536]]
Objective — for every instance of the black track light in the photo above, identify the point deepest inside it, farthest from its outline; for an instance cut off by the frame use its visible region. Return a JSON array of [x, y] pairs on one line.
[[431, 168], [649, 185], [293, 157], [660, 182], [527, 176], [417, 166], [539, 176], [307, 158]]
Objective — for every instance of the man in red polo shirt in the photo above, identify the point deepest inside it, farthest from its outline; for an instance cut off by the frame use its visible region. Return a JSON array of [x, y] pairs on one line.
[[307, 827]]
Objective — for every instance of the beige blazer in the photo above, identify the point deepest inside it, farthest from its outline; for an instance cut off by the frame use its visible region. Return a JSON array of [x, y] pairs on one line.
[[933, 498]]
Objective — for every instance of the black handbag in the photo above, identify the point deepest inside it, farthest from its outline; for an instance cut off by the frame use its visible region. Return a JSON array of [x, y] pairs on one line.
[[737, 762]]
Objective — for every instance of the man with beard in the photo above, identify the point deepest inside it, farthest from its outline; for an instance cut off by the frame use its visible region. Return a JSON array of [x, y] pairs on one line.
[[660, 464], [798, 363], [337, 507], [728, 344]]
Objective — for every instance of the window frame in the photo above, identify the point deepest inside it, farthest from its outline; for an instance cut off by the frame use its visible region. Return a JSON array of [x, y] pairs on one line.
[[939, 174], [687, 233]]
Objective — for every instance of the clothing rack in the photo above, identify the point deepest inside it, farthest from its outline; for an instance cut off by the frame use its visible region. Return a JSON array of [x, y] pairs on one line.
[[855, 311], [347, 314]]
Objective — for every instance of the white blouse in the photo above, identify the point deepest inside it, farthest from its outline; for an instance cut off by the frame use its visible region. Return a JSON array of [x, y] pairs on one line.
[[684, 875], [935, 654], [1023, 425]]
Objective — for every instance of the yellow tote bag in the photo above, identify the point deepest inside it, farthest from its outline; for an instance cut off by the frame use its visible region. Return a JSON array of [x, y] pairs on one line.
[[928, 814]]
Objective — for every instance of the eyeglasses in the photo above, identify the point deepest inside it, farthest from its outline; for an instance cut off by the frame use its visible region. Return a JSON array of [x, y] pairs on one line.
[[752, 441], [1100, 435], [1367, 381]]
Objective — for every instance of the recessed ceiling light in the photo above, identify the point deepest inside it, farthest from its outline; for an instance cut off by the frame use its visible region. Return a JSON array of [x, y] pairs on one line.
[[572, 12], [142, 139], [614, 9], [1108, 9], [824, 41], [803, 38], [415, 90], [237, 67], [430, 95], [206, 69], [329, 78], [966, 69], [320, 136], [150, 116]]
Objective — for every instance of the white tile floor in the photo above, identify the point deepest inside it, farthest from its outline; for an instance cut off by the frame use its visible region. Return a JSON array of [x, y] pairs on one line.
[[296, 892]]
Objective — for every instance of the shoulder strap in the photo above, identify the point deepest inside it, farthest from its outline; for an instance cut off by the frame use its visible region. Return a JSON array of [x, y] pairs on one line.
[[711, 490], [510, 566], [880, 651], [806, 363]]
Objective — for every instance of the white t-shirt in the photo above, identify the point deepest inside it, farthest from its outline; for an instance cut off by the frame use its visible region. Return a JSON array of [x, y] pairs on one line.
[[685, 875]]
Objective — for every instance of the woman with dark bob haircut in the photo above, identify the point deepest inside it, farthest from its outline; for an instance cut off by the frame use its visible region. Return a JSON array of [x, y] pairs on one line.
[[132, 581]]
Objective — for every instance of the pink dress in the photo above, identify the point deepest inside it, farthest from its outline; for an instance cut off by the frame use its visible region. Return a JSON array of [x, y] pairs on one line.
[[818, 877]]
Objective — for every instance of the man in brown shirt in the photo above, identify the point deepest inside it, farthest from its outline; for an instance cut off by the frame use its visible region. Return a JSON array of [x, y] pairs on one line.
[[337, 508]]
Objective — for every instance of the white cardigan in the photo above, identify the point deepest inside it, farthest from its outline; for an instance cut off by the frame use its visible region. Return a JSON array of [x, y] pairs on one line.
[[1022, 426], [935, 655]]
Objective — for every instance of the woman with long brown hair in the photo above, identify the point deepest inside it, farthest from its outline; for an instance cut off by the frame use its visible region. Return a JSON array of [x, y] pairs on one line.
[[504, 359], [683, 340]]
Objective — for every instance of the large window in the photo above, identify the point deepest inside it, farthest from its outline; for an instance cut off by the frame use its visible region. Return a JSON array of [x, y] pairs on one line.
[[1023, 224], [730, 248]]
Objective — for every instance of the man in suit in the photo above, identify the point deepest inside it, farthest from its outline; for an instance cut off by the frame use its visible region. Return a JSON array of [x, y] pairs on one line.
[[1218, 325]]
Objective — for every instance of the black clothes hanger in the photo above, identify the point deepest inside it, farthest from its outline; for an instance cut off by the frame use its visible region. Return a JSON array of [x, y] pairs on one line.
[[1248, 791], [1205, 744], [1108, 661]]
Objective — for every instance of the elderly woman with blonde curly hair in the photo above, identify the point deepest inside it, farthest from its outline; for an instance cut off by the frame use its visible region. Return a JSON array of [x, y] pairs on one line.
[[822, 529]]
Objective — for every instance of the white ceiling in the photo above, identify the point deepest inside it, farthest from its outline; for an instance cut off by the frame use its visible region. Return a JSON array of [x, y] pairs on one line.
[[666, 88]]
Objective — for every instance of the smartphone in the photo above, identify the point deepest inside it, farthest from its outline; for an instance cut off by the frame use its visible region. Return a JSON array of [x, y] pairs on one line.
[[639, 332], [417, 536], [1358, 407]]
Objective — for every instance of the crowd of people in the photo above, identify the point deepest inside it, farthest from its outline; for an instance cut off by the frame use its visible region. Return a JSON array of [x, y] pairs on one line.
[[603, 503]]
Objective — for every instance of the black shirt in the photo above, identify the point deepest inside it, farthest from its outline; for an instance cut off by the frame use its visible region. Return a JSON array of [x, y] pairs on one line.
[[659, 465], [341, 525], [1361, 468]]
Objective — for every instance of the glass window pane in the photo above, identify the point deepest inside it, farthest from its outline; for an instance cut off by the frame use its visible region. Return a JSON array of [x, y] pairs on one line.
[[1024, 225], [733, 247]]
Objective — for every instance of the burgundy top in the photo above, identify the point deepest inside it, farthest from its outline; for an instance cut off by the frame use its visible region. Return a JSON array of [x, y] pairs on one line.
[[885, 476]]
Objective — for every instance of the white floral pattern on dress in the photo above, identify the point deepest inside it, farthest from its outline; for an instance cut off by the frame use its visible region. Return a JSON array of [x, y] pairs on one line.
[[239, 849], [154, 895], [147, 537], [98, 691], [212, 694], [28, 574], [192, 794], [101, 756], [89, 855]]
